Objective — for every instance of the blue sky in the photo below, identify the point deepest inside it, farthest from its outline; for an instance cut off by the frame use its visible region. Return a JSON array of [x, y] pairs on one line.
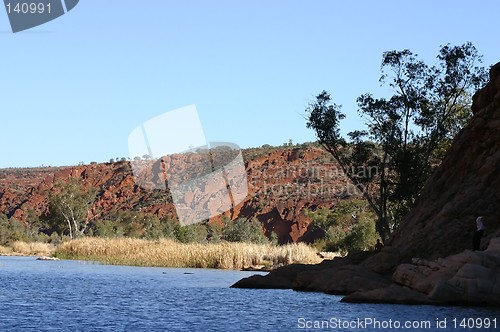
[[73, 89]]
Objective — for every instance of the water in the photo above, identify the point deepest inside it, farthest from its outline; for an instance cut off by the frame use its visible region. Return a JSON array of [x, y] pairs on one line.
[[84, 296]]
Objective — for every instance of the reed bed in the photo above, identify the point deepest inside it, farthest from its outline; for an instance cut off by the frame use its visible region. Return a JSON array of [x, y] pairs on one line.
[[169, 253], [21, 248], [5, 250]]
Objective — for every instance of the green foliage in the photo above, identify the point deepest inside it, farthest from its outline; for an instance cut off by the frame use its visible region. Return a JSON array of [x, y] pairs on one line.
[[242, 230], [348, 227], [215, 231], [407, 134], [191, 233], [126, 223], [135, 224], [10, 230], [108, 228], [160, 228], [361, 236], [33, 226], [324, 118], [274, 239]]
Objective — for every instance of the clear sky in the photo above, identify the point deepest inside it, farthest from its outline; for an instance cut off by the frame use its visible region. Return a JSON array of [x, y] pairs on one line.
[[73, 89]]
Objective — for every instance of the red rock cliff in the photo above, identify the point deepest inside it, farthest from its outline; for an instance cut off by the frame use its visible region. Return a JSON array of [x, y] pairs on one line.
[[283, 183], [466, 185]]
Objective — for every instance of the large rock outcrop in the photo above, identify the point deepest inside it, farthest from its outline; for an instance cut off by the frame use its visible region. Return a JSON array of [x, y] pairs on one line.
[[342, 275], [467, 278], [466, 185], [409, 270]]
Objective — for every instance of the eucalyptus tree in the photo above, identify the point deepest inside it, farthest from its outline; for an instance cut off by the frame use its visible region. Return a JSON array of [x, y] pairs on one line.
[[406, 133], [70, 208]]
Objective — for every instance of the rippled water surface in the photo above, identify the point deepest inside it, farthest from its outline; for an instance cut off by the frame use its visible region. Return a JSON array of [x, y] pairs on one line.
[[84, 296]]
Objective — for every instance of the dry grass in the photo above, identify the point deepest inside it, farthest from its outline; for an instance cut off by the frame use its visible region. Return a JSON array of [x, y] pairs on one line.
[[5, 250], [32, 248], [21, 248], [168, 253]]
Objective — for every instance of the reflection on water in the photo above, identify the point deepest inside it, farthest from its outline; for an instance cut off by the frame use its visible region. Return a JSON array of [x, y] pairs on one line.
[[84, 296]]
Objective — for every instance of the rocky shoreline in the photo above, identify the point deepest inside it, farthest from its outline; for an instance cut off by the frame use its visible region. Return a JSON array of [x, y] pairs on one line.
[[424, 261], [467, 278]]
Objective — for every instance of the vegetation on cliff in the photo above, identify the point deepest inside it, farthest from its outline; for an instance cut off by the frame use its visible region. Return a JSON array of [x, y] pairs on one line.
[[103, 200], [296, 192], [407, 134]]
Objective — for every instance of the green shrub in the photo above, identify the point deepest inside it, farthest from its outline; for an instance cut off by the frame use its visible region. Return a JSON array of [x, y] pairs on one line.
[[161, 228], [191, 233], [348, 227], [242, 230], [109, 228], [11, 230], [361, 236]]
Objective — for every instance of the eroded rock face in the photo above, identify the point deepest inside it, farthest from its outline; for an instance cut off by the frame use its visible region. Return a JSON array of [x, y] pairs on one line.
[[465, 186], [283, 183], [467, 278], [442, 223]]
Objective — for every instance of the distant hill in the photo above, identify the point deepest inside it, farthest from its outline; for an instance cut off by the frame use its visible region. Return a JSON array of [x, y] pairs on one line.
[[283, 183]]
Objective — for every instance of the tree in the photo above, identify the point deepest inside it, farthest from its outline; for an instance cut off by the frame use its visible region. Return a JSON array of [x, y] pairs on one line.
[[194, 233], [32, 224], [11, 230], [348, 227], [404, 132], [70, 208], [242, 230]]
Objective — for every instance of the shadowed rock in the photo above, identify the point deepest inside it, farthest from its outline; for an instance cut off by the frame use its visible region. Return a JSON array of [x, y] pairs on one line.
[[441, 224], [465, 185]]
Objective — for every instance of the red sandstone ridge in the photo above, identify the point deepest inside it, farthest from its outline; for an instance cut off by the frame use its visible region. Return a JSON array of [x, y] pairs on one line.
[[282, 183]]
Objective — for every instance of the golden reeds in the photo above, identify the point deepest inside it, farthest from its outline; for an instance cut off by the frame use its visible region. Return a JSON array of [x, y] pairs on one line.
[[5, 250], [169, 253], [28, 248]]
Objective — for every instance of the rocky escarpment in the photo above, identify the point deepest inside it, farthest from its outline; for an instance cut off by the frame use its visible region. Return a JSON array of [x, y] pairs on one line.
[[282, 182], [465, 186], [467, 278], [428, 259]]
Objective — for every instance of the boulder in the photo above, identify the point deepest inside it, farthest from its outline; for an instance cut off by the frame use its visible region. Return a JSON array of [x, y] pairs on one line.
[[264, 282], [383, 262], [467, 278], [318, 277], [465, 185]]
